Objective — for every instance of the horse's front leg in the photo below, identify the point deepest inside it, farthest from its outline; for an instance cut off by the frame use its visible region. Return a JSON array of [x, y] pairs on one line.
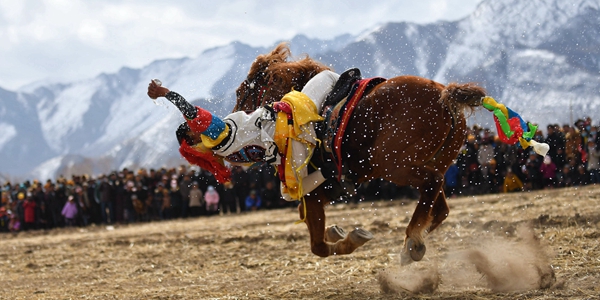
[[427, 215], [334, 240]]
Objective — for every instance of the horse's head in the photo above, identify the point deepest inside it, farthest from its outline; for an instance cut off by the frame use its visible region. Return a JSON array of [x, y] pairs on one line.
[[271, 76]]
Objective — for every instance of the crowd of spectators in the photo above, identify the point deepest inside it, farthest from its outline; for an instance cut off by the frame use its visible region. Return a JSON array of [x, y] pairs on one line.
[[126, 196], [484, 165]]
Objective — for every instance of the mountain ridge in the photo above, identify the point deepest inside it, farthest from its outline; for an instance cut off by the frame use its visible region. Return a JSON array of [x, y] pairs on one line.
[[107, 122]]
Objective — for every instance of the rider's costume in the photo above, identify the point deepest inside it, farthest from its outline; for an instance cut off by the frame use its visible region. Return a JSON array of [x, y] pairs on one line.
[[282, 134]]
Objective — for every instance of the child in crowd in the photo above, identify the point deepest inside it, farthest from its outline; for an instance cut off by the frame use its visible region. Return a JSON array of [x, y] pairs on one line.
[[69, 211], [253, 201], [212, 200], [512, 183]]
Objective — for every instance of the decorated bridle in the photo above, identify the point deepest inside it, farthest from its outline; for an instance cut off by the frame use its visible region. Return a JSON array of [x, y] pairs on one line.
[[251, 84], [263, 90]]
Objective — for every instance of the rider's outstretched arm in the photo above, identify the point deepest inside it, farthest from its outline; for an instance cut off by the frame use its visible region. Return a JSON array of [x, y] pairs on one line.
[[188, 110], [198, 119], [155, 90]]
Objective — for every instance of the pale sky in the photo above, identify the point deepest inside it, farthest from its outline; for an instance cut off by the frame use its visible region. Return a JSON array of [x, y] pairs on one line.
[[66, 40]]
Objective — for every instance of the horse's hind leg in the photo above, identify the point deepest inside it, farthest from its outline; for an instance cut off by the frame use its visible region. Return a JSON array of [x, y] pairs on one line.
[[334, 240], [334, 234], [315, 221], [440, 211], [422, 219]]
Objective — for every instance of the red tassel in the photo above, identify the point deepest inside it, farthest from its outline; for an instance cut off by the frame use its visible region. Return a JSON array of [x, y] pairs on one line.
[[206, 160]]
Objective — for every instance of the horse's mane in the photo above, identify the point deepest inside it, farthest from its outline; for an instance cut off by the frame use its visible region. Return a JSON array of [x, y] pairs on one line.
[[275, 66]]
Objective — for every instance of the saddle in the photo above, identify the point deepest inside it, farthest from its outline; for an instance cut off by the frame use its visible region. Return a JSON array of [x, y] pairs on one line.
[[342, 87], [337, 110]]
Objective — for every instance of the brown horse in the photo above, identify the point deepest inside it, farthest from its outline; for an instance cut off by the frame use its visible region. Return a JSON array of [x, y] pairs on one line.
[[406, 130]]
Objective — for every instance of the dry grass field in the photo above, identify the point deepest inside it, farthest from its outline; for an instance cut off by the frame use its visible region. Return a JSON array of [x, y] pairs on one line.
[[490, 247]]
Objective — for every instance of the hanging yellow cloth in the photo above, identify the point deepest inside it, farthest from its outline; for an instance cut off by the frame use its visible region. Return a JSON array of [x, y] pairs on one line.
[[304, 111]]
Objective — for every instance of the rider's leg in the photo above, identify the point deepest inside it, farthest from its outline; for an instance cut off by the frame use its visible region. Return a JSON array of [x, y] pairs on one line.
[[319, 87]]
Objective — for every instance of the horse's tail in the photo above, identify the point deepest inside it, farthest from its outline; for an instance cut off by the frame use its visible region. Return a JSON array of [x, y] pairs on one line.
[[461, 97]]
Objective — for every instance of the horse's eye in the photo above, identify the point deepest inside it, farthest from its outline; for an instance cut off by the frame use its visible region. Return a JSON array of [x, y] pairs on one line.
[[251, 85]]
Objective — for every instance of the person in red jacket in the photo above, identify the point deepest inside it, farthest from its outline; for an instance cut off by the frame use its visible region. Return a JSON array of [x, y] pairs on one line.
[[29, 212]]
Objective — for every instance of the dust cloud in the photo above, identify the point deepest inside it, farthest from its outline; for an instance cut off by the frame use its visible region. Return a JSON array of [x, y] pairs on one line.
[[500, 264]]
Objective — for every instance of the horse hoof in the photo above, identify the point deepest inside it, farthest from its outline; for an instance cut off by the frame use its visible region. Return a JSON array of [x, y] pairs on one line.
[[334, 234], [416, 251], [405, 258], [360, 236]]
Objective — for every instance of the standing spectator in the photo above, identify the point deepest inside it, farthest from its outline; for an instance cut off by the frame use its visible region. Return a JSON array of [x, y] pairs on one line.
[[594, 136], [533, 179], [89, 188], [255, 177], [593, 163], [228, 199], [5, 199], [548, 170], [270, 195], [83, 206], [563, 178], [17, 208], [182, 172], [573, 144], [556, 141], [583, 126], [54, 217], [175, 197], [451, 180], [41, 207], [152, 180], [143, 196], [61, 194], [69, 211], [4, 219], [269, 173], [495, 178], [119, 198], [240, 184], [14, 225], [472, 170], [253, 201], [130, 194], [485, 154], [211, 197], [106, 200], [196, 200], [166, 209], [139, 208], [29, 210], [185, 186], [573, 174], [157, 201], [204, 179], [581, 176]]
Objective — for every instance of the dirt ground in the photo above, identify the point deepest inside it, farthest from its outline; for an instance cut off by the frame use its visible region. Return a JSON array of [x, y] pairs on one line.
[[264, 255]]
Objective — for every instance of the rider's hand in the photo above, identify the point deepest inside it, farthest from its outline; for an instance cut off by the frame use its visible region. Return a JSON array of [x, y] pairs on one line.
[[155, 91]]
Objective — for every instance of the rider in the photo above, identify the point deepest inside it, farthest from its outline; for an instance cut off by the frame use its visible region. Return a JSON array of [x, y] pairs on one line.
[[247, 138]]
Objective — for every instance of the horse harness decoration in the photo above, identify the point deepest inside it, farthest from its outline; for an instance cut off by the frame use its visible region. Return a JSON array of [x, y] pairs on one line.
[[251, 84]]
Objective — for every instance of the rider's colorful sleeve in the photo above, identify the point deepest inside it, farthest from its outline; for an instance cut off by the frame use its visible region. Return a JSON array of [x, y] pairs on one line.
[[212, 128]]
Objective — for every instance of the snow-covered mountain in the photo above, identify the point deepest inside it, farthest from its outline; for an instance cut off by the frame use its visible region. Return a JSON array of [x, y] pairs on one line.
[[540, 57]]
